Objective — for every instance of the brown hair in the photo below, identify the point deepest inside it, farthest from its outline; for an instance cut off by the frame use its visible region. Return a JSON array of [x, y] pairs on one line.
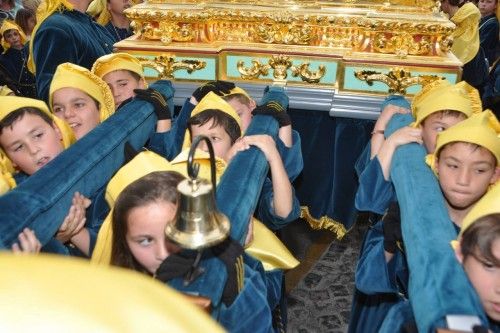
[[444, 113], [478, 239], [156, 186], [242, 98], [18, 114], [22, 17], [220, 118], [473, 147]]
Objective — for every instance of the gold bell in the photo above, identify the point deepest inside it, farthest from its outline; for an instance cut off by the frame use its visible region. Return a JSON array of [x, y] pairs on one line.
[[197, 223]]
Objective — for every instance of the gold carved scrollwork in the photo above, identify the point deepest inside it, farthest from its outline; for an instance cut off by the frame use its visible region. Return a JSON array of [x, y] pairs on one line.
[[280, 65], [401, 44], [166, 65], [278, 33], [165, 31], [307, 75], [253, 72], [398, 79]]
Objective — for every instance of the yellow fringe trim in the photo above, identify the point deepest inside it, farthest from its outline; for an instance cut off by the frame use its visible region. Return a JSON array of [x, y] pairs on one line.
[[324, 222]]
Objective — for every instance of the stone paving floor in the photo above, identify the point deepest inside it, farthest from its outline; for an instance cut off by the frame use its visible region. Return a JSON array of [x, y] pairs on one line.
[[321, 301]]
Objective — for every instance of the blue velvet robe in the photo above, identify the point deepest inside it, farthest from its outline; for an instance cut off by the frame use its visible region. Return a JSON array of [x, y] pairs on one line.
[[438, 284], [15, 63], [488, 35], [67, 36], [491, 94], [118, 33], [293, 163], [249, 312]]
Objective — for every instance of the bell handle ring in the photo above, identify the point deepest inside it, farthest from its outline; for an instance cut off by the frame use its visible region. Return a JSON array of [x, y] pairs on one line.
[[193, 168]]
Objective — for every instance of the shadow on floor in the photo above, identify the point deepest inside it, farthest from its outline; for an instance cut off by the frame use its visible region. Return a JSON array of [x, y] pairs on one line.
[[320, 288]]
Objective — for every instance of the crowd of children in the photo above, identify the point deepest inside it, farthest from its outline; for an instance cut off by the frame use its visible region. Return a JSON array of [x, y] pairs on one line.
[[463, 147], [80, 100]]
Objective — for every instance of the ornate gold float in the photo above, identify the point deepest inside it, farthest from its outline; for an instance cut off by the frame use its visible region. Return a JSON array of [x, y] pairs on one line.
[[305, 44]]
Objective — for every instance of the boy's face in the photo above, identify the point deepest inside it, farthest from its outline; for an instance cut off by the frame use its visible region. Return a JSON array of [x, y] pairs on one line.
[[221, 141], [485, 277], [122, 84], [464, 173], [146, 234], [487, 7], [118, 6], [244, 111], [435, 123], [31, 142], [77, 108], [13, 37]]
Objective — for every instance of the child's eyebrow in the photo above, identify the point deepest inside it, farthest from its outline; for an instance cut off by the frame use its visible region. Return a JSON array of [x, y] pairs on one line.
[[13, 143], [482, 162], [78, 99], [452, 158]]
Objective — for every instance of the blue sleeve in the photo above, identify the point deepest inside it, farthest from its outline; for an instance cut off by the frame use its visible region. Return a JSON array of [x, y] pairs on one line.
[[265, 209], [169, 144], [250, 311], [275, 94], [273, 280], [373, 275], [291, 156], [52, 46], [363, 160], [400, 314], [374, 193]]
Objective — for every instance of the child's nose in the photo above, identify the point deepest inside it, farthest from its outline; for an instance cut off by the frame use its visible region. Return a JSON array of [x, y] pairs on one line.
[[463, 177], [33, 148], [161, 251], [68, 113]]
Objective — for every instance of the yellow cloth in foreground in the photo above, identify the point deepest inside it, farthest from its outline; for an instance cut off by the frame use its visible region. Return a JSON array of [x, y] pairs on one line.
[[46, 293]]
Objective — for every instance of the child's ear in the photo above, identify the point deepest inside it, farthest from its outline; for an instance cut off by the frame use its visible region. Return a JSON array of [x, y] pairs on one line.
[[496, 175], [458, 253], [142, 83], [58, 131], [253, 104]]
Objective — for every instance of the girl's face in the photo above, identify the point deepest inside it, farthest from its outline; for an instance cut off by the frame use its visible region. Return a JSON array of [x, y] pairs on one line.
[[146, 234], [485, 277], [13, 38], [77, 108], [487, 7]]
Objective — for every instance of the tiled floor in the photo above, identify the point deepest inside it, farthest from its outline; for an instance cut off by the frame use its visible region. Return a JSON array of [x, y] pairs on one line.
[[320, 289]]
